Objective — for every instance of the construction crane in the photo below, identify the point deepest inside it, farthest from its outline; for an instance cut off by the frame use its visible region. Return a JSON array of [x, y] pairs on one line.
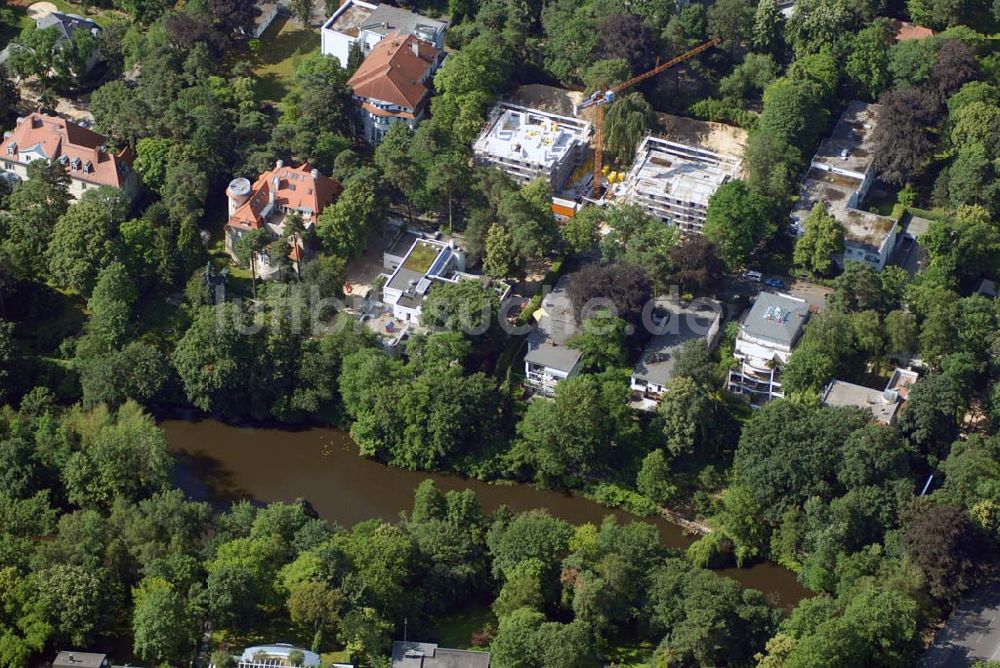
[[600, 99]]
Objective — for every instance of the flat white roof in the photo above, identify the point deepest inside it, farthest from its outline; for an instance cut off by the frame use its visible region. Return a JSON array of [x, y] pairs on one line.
[[663, 168], [529, 135]]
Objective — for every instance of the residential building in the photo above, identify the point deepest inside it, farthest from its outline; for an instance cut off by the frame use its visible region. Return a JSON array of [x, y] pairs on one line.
[[83, 153], [266, 204], [68, 25], [366, 24], [840, 176], [274, 656], [765, 341], [73, 659], [428, 655], [393, 83], [884, 404], [674, 182], [427, 263], [674, 324], [549, 358], [529, 144]]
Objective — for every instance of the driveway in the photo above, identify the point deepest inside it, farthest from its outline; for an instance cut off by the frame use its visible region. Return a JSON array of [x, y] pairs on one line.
[[972, 633]]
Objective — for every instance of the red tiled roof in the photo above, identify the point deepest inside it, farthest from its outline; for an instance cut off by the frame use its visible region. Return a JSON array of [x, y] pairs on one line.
[[907, 31], [394, 70], [82, 150], [295, 188]]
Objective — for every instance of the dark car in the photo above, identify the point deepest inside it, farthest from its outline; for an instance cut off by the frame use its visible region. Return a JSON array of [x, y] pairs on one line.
[[774, 283]]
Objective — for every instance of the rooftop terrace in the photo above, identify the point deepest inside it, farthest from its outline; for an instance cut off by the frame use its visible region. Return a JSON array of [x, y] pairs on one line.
[[349, 19], [838, 192], [849, 147]]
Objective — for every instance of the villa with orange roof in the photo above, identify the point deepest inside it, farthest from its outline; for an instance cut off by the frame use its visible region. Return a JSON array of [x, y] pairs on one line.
[[264, 205], [83, 152], [392, 83]]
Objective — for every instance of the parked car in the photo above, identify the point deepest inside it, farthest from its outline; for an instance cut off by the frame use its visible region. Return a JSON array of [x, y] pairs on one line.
[[775, 283], [754, 276]]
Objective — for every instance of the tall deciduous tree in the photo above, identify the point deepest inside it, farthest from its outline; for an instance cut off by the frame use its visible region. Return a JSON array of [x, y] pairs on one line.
[[822, 240], [739, 221]]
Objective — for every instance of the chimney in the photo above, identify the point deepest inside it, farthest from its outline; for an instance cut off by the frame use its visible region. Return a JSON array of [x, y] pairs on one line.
[[415, 45], [278, 164], [315, 174]]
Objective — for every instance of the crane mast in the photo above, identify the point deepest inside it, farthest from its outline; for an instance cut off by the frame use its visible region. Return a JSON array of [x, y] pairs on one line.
[[600, 99]]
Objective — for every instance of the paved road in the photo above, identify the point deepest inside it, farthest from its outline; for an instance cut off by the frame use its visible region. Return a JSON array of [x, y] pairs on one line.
[[972, 633]]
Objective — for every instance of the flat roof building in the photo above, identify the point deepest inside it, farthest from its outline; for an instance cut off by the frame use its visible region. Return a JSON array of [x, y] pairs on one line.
[[674, 182], [840, 176], [427, 263], [675, 325], [530, 144], [884, 405], [366, 24], [429, 655], [765, 341]]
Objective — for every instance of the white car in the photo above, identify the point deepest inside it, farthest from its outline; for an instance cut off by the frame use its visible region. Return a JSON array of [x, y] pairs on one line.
[[754, 276]]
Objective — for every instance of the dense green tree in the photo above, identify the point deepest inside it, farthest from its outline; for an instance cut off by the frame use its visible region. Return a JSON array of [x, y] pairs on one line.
[[867, 65], [33, 210], [627, 120], [500, 260], [121, 454], [944, 543], [344, 225], [160, 622], [794, 112], [564, 441], [653, 479], [821, 240], [739, 221], [215, 360], [83, 239], [789, 452], [689, 414], [601, 342]]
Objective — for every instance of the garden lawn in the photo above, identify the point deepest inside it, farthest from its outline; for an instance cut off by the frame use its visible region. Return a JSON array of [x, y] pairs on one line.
[[281, 47], [455, 631]]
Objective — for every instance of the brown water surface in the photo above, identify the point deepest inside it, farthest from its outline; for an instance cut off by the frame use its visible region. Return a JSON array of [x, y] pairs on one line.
[[222, 463]]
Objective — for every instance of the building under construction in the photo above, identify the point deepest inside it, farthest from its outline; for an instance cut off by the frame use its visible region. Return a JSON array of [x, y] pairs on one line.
[[674, 182], [530, 144]]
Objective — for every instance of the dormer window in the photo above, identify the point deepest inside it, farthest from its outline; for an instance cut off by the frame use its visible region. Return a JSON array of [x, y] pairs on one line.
[[88, 167], [12, 148], [75, 164]]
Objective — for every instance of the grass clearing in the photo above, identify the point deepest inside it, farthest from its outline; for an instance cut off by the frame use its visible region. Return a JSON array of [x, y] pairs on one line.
[[634, 654], [282, 46], [455, 630]]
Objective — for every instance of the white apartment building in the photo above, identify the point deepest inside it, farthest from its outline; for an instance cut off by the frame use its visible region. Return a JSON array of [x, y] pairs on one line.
[[674, 182], [530, 144], [367, 24], [840, 176], [765, 341]]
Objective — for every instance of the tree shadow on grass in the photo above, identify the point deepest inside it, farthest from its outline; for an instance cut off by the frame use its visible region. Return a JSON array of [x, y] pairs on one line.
[[281, 47]]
